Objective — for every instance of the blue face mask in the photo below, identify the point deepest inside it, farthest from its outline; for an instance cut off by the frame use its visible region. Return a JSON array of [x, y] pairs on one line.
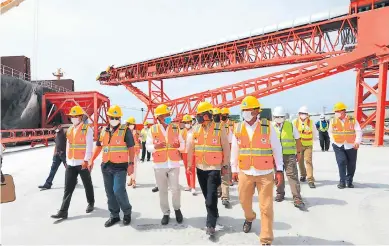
[[168, 120]]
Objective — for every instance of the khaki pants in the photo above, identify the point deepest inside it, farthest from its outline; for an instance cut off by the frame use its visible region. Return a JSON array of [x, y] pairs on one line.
[[224, 188], [168, 178], [290, 165], [307, 169], [246, 188]]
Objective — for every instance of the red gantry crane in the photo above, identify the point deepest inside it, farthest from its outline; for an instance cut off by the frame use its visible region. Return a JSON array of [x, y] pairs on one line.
[[356, 37]]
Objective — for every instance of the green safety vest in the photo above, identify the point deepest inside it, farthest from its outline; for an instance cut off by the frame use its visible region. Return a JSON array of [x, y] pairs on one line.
[[323, 129], [285, 134]]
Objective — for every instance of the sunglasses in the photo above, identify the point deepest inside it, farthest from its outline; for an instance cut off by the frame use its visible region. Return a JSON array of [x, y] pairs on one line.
[[114, 118], [278, 117]]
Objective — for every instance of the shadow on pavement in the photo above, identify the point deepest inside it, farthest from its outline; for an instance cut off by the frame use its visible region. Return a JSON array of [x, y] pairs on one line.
[[141, 186], [305, 240], [356, 184], [225, 225], [318, 201]]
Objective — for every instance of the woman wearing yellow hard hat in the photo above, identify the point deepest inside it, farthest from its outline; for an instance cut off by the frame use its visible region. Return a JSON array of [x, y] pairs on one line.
[[131, 124], [346, 136], [165, 143], [257, 136]]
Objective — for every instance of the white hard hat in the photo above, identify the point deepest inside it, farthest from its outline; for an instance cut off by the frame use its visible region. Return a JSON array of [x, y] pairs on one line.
[[322, 116], [279, 111], [303, 109]]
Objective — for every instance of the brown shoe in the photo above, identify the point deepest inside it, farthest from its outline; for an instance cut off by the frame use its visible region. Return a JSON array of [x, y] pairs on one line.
[[247, 226], [279, 198], [130, 182], [298, 203]]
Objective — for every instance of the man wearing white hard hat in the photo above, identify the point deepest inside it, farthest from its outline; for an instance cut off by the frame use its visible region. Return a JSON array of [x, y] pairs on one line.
[[291, 145], [322, 126], [307, 132]]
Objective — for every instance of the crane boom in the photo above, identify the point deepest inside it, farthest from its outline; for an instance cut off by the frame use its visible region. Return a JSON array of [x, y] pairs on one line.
[[9, 4]]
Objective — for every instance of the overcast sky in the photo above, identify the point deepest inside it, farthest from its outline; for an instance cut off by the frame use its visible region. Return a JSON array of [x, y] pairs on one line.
[[83, 37]]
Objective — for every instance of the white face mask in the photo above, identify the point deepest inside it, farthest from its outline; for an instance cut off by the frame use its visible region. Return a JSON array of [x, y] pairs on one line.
[[56, 130], [247, 116], [131, 127], [114, 122], [75, 121], [187, 126], [338, 115], [303, 116], [279, 120]]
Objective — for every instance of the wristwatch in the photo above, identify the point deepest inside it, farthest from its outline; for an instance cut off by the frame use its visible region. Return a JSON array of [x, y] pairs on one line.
[[131, 163]]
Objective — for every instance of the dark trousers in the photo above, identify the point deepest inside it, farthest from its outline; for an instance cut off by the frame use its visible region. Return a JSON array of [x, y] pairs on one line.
[[324, 140], [347, 162], [58, 158], [71, 175], [209, 181], [115, 188], [144, 152]]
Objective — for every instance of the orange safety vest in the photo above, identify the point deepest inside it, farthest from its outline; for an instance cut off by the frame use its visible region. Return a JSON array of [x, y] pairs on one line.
[[255, 152], [184, 134], [167, 153], [115, 150], [343, 132], [208, 148], [135, 135], [77, 142]]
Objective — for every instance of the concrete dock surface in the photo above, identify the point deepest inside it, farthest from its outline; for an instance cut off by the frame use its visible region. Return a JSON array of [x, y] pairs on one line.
[[334, 217]]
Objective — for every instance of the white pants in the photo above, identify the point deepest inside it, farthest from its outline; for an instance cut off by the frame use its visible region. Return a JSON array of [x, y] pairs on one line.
[[168, 178]]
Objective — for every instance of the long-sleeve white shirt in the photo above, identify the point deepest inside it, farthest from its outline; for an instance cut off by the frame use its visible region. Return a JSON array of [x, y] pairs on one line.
[[151, 149], [275, 145], [358, 135], [89, 147]]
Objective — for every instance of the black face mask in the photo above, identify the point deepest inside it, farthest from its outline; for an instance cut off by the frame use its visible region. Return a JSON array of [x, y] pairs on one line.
[[200, 119], [216, 118], [224, 118]]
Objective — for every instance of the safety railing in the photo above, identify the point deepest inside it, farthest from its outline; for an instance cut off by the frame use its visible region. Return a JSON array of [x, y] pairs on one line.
[[33, 136], [5, 70]]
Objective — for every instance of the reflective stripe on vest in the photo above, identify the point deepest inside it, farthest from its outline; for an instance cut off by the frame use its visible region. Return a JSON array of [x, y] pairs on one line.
[[115, 149], [255, 152], [321, 128], [207, 144], [285, 134], [343, 132], [168, 153], [77, 142], [306, 133]]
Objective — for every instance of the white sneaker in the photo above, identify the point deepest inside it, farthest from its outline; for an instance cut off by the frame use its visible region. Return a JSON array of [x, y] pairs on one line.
[[193, 192], [187, 189]]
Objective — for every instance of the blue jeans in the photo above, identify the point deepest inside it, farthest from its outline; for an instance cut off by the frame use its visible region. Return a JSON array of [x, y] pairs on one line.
[[58, 158], [347, 162], [115, 188]]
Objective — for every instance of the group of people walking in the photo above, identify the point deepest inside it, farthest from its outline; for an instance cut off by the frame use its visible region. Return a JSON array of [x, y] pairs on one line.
[[255, 152]]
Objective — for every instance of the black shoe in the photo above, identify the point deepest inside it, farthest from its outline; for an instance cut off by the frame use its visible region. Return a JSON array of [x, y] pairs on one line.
[[111, 221], [148, 160], [155, 189], [165, 220], [322, 150], [90, 208], [226, 203], [312, 185], [298, 203], [127, 219], [279, 198], [303, 179], [341, 185], [60, 215], [211, 231], [247, 226], [44, 187], [350, 185], [179, 216]]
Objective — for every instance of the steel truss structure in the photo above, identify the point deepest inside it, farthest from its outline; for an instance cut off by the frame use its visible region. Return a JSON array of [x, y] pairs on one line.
[[355, 41], [35, 136], [94, 104]]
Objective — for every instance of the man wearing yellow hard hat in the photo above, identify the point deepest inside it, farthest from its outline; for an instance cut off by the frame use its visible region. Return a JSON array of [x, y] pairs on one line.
[[346, 136], [209, 145], [165, 143], [117, 144], [255, 148], [224, 189], [131, 123], [185, 133], [79, 152]]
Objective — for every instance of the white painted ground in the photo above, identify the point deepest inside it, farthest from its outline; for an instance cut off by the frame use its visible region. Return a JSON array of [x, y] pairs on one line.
[[349, 216]]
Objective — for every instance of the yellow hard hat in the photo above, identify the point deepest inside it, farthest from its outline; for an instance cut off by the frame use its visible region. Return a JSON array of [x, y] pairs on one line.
[[131, 120], [204, 107], [216, 111], [146, 123], [187, 118], [339, 106], [115, 111], [250, 102], [76, 111], [161, 110], [225, 111]]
